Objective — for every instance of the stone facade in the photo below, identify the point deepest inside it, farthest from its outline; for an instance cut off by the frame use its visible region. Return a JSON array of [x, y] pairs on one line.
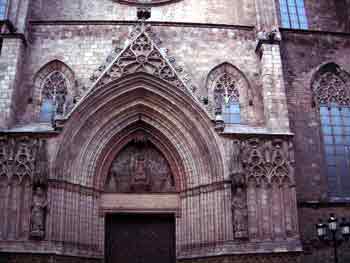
[[88, 93]]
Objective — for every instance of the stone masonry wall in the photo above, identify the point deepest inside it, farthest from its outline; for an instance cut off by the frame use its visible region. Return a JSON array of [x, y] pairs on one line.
[[209, 11], [328, 15], [84, 48]]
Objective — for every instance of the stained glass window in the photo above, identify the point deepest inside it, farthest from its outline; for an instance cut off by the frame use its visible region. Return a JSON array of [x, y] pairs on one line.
[[331, 91], [293, 14], [3, 6], [335, 122]]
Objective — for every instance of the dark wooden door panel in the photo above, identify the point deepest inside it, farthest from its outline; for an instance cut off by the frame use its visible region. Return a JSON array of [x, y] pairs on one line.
[[140, 238]]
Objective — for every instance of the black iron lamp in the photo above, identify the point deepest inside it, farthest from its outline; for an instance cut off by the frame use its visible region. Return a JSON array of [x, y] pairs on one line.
[[333, 228], [345, 228], [333, 223], [321, 229]]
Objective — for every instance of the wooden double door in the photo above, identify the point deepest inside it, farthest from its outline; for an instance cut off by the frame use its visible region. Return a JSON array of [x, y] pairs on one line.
[[135, 238]]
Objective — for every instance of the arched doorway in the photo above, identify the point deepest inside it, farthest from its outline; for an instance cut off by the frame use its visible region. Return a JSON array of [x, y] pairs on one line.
[[140, 201]]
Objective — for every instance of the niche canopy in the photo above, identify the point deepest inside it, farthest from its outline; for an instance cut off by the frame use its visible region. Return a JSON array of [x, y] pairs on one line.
[[146, 2]]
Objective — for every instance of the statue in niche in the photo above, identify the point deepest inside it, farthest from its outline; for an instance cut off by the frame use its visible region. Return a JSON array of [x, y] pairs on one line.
[[240, 212], [38, 213], [239, 194]]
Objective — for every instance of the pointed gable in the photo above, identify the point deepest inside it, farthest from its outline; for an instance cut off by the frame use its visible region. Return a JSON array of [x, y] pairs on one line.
[[142, 55]]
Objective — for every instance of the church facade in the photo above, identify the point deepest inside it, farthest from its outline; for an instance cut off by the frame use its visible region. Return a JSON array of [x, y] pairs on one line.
[[173, 130]]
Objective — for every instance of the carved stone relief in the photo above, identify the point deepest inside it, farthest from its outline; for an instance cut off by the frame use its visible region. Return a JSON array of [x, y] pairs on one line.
[[268, 159], [259, 168], [140, 167]]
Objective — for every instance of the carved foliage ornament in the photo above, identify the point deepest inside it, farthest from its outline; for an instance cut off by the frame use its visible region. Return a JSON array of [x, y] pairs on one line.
[[140, 167], [332, 86], [142, 56]]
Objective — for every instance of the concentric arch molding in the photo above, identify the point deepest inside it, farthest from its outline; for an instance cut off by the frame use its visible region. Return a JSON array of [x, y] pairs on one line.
[[146, 2]]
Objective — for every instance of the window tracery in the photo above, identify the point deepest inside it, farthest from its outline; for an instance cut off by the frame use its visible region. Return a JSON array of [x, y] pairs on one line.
[[229, 95], [54, 92], [226, 97], [330, 88]]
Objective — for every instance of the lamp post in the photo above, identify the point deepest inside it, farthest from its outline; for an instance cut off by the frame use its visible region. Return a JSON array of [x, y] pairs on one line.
[[333, 228]]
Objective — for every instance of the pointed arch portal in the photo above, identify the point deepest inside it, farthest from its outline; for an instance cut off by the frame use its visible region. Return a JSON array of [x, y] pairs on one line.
[[135, 114]]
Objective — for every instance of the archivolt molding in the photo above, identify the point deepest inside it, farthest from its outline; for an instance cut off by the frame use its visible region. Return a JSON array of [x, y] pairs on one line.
[[124, 102]]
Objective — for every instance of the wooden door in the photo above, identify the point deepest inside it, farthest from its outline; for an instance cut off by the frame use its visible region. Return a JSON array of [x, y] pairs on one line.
[[133, 238]]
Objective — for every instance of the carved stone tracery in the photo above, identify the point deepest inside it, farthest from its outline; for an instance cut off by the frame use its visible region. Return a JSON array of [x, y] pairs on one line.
[[225, 91], [23, 168], [331, 86], [55, 90], [270, 160], [259, 168], [142, 56]]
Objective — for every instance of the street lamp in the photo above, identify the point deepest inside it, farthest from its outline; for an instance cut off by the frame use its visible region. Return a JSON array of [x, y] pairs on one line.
[[333, 227]]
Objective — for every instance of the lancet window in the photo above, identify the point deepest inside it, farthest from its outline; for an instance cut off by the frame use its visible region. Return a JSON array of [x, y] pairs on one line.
[[53, 97], [331, 90], [229, 95]]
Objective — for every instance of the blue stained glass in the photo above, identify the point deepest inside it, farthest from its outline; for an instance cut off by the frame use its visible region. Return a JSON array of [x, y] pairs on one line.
[[231, 113], [338, 130], [3, 4], [293, 14], [46, 111], [327, 130]]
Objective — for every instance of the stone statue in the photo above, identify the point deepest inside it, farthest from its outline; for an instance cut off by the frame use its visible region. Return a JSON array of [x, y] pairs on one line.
[[239, 195], [240, 213], [38, 213]]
